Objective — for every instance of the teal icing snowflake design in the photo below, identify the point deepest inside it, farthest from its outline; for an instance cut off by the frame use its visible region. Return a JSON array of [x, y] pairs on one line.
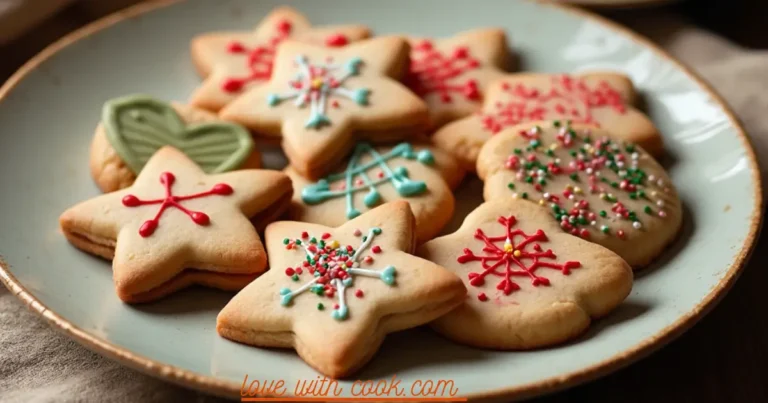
[[356, 177], [334, 268], [316, 84]]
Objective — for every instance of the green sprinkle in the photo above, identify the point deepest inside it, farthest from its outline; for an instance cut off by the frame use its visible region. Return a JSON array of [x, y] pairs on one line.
[[529, 179], [633, 196], [603, 213], [377, 231], [320, 306], [365, 237], [582, 220], [556, 123], [632, 216], [614, 185], [573, 153], [630, 148], [295, 277], [286, 241], [641, 193], [648, 210], [574, 176], [313, 240], [511, 185], [604, 229], [535, 143], [524, 195], [518, 151], [587, 140], [322, 243], [298, 242], [550, 153], [542, 182]]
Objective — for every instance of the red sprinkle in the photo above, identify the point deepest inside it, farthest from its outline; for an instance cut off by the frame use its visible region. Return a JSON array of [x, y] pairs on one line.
[[359, 293], [376, 249], [326, 236], [482, 297], [289, 271], [304, 235]]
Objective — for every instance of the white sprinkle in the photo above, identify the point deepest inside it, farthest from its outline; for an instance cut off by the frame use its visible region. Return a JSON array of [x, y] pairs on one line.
[[546, 196], [589, 171], [660, 182], [593, 223], [660, 203], [636, 225], [651, 178], [635, 156]]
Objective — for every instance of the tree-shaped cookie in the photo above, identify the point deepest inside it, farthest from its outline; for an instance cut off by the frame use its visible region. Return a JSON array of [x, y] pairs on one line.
[[530, 284], [134, 127], [604, 190], [334, 293], [321, 99], [599, 98], [232, 62], [452, 74], [177, 226], [376, 175]]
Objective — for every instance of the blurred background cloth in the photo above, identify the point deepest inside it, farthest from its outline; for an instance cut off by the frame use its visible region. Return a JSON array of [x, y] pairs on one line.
[[723, 358]]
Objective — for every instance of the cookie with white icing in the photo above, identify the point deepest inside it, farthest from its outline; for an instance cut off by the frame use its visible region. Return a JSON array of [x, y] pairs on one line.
[[134, 127], [419, 174], [604, 99], [530, 284], [351, 285], [320, 101], [233, 62], [598, 187], [177, 226]]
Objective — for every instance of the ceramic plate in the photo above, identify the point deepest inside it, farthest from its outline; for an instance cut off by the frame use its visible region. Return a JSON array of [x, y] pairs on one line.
[[49, 109]]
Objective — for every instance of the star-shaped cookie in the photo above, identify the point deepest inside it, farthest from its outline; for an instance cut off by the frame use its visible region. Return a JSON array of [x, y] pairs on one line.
[[530, 284], [232, 62], [319, 100], [334, 293], [177, 226], [604, 99], [452, 74]]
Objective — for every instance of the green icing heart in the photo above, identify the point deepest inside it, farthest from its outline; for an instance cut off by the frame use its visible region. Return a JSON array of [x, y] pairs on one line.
[[137, 126]]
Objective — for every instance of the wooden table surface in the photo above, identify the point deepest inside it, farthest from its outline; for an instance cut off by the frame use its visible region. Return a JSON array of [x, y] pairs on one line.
[[723, 358]]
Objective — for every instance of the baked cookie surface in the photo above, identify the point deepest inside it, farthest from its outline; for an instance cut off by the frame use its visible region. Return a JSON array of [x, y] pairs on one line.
[[452, 74], [604, 190], [177, 226], [421, 175], [233, 62], [604, 99], [134, 127], [334, 293], [530, 284], [321, 100]]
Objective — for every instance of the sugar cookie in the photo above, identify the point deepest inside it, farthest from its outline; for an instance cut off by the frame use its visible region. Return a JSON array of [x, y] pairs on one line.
[[365, 282], [604, 190]]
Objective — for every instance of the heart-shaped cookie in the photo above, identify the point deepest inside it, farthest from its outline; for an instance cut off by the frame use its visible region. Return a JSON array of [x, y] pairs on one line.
[[137, 126]]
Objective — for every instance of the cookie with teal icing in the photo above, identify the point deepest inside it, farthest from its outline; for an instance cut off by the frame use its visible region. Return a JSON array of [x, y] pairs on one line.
[[373, 175], [134, 127]]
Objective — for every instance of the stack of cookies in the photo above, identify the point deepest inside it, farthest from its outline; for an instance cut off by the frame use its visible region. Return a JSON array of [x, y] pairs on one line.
[[379, 132]]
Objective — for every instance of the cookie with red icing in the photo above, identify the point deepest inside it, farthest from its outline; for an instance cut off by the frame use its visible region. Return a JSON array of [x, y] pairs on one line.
[[452, 74], [596, 186], [604, 99], [530, 284], [333, 294], [420, 174], [134, 127], [321, 100], [177, 226], [233, 62]]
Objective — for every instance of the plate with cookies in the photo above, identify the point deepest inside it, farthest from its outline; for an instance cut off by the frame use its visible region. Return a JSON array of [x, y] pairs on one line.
[[350, 200]]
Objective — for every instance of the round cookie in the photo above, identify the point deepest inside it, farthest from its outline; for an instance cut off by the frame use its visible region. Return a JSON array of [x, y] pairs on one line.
[[530, 284], [134, 127], [604, 190], [419, 174]]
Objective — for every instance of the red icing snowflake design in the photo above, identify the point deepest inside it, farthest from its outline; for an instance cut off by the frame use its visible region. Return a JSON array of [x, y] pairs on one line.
[[569, 98], [261, 58], [512, 259], [432, 71], [167, 179]]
